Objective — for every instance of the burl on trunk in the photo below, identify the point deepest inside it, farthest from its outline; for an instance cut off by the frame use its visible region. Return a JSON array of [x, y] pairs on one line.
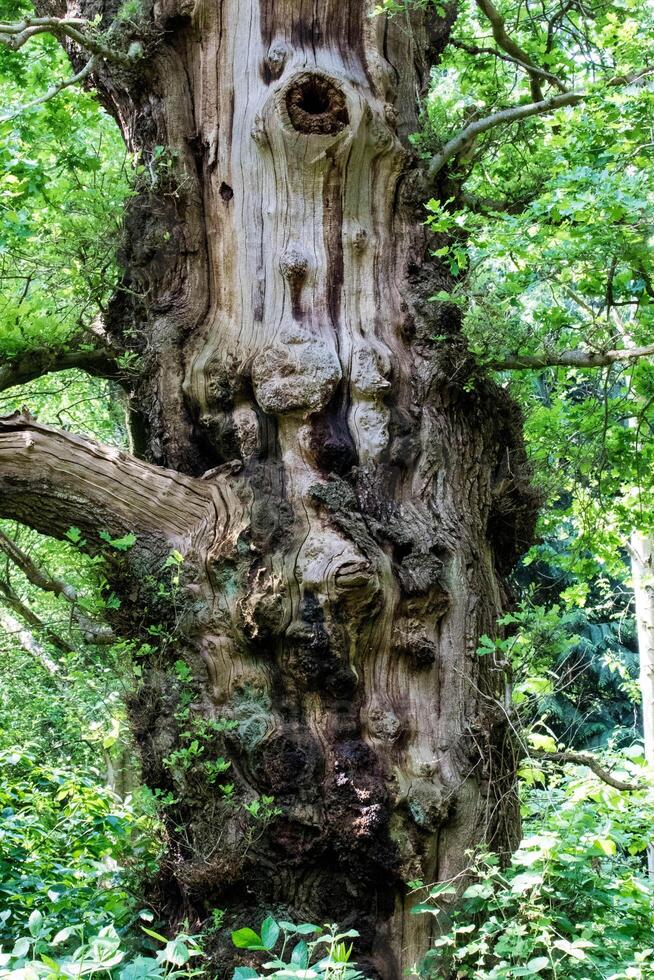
[[345, 488]]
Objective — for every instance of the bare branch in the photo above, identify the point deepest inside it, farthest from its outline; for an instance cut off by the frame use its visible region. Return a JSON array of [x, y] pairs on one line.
[[632, 78], [52, 480], [500, 118], [28, 642], [32, 572], [92, 631], [586, 759], [570, 358], [9, 597], [486, 205]]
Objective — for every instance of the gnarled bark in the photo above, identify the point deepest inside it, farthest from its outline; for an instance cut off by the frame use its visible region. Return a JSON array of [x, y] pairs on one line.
[[364, 486]]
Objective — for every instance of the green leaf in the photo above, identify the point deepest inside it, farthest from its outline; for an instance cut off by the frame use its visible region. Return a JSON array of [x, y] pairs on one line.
[[300, 955], [481, 890], [575, 950], [21, 947], [525, 882], [269, 932], [538, 963], [606, 845], [120, 544], [153, 934], [247, 939], [35, 923], [542, 743], [142, 968], [444, 888], [176, 952]]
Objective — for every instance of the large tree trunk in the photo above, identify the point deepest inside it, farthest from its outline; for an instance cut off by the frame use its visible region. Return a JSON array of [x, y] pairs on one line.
[[346, 490]]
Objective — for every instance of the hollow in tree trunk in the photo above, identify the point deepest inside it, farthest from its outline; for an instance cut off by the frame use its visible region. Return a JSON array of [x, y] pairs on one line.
[[340, 488]]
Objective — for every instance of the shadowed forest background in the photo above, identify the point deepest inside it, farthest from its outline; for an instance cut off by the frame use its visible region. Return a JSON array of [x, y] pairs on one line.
[[540, 226]]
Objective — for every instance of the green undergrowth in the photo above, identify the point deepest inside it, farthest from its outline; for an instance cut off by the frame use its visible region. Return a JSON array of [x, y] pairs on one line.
[[575, 900], [71, 856], [574, 903]]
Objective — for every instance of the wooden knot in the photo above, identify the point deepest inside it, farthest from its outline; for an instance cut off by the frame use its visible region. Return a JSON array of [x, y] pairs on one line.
[[275, 60], [315, 105], [294, 264]]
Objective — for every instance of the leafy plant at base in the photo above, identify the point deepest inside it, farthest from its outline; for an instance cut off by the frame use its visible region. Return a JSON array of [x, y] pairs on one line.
[[326, 957], [37, 955], [63, 839], [574, 903]]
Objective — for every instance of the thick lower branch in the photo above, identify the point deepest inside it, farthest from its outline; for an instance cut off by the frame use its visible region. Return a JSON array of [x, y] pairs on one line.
[[51, 480], [36, 363]]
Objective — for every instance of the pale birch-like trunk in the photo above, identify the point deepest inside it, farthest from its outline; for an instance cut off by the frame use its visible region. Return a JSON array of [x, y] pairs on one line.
[[641, 555], [346, 489], [642, 574]]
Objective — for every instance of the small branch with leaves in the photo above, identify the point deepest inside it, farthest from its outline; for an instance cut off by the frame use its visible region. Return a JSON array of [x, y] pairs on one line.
[[570, 358], [509, 50], [517, 54], [589, 760], [77, 79], [93, 632], [82, 32], [513, 114], [475, 49]]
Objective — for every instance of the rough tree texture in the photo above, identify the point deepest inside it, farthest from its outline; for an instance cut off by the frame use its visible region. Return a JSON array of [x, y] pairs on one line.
[[346, 490]]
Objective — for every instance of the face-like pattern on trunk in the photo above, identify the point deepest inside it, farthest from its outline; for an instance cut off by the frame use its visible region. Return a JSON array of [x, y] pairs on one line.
[[288, 343]]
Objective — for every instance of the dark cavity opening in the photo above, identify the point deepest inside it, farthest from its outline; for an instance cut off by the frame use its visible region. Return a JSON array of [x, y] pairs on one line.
[[316, 105], [226, 192]]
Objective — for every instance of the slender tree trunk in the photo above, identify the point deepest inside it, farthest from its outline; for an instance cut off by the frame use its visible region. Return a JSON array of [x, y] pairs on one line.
[[642, 571], [345, 488], [642, 574], [641, 556]]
